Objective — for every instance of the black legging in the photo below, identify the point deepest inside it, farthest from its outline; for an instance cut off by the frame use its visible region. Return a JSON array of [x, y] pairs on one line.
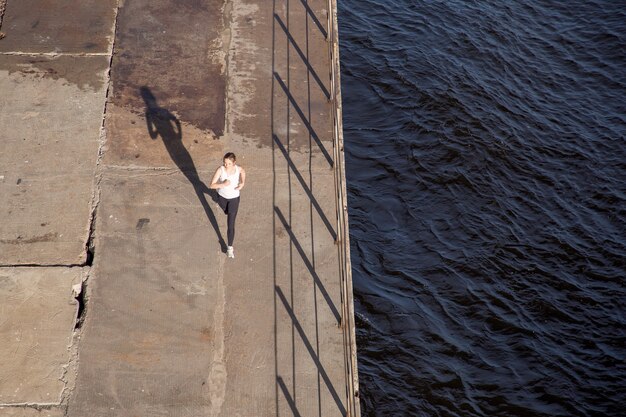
[[230, 207]]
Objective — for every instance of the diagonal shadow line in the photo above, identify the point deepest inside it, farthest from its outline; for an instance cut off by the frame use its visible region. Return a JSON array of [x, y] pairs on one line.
[[306, 187], [304, 119], [308, 264], [302, 56], [315, 19], [309, 347], [290, 401]]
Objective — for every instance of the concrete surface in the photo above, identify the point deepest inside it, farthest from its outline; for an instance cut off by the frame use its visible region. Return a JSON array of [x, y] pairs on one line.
[[50, 113], [37, 317], [173, 327], [75, 26]]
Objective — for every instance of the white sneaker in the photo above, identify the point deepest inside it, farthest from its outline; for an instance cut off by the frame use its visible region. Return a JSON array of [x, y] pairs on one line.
[[230, 252]]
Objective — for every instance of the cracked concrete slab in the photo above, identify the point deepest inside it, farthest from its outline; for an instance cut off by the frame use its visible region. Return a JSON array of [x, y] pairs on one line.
[[173, 327], [51, 115], [37, 317], [153, 338], [58, 26]]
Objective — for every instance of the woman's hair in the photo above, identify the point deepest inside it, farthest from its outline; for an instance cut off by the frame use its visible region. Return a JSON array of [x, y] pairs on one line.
[[231, 156]]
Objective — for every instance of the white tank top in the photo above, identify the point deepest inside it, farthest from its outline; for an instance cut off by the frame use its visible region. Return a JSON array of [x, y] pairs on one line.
[[229, 191]]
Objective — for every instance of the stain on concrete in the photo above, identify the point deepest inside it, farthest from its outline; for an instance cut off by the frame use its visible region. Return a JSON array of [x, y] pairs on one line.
[[170, 47], [141, 223], [58, 25], [20, 240], [87, 73], [205, 334]]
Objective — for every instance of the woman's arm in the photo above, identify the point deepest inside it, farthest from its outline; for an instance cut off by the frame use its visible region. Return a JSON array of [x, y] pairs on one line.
[[242, 178], [215, 184]]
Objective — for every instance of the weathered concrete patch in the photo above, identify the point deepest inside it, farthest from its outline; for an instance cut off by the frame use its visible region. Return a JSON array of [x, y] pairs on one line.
[[158, 138], [58, 26], [86, 73], [51, 114], [173, 49], [249, 71], [37, 314], [153, 337], [29, 412]]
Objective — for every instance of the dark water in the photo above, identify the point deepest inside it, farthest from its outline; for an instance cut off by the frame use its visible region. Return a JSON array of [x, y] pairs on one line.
[[486, 163]]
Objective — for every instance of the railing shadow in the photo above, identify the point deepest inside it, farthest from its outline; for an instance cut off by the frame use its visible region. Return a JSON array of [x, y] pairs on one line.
[[288, 397], [309, 265], [311, 350], [162, 123], [297, 98], [304, 118], [302, 56], [305, 187], [313, 16]]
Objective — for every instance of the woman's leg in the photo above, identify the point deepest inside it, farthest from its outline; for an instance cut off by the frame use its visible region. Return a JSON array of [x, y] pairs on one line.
[[231, 210], [223, 203]]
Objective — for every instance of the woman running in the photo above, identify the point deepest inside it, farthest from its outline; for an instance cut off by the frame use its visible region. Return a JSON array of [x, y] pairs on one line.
[[228, 180]]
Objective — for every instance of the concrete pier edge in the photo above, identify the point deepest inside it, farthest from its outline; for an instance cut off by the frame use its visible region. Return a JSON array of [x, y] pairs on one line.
[[123, 344], [343, 235]]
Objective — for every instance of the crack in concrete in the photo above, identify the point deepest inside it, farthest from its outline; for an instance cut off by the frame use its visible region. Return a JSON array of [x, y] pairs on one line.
[[3, 6], [95, 198], [43, 265], [70, 371], [82, 298], [54, 54], [35, 406]]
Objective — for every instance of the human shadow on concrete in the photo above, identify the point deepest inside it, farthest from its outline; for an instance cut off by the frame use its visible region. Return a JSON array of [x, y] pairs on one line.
[[161, 122]]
